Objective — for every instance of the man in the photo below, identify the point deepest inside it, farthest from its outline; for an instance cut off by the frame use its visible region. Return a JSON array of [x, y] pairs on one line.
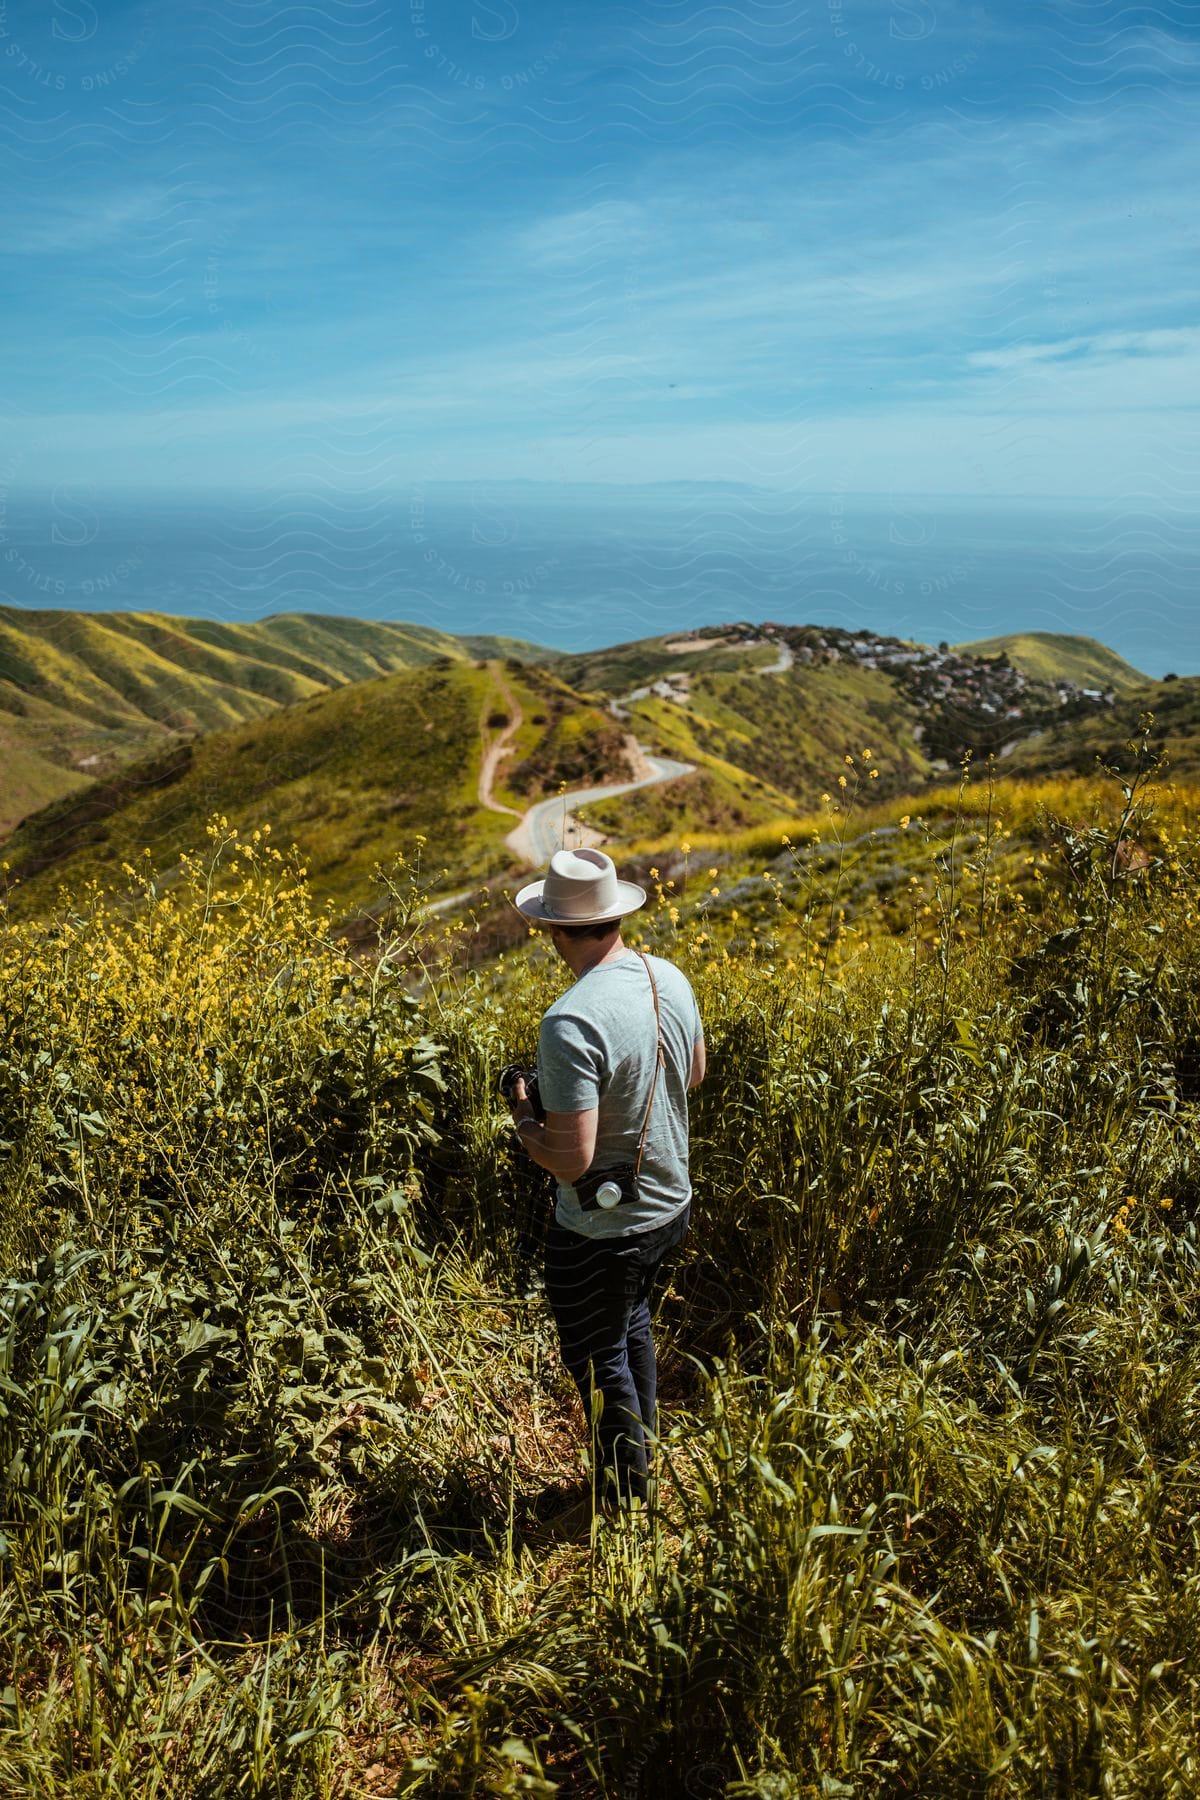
[[617, 1054]]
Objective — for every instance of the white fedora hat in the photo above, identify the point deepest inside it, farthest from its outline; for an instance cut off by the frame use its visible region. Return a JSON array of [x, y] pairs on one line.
[[580, 888]]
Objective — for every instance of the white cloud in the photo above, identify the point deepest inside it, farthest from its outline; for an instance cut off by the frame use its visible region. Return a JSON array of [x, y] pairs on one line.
[[586, 234], [1164, 50], [1106, 347], [75, 225]]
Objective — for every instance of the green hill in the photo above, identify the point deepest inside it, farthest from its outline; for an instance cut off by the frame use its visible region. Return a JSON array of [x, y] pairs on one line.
[[352, 776], [766, 744], [1072, 746], [81, 693], [766, 729], [619, 667], [1053, 656]]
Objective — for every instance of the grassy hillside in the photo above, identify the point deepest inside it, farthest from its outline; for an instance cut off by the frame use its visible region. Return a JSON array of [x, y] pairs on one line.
[[31, 779], [1042, 655], [767, 744], [563, 739], [1073, 746], [350, 774], [785, 729], [716, 798], [130, 701], [82, 692], [1053, 656]]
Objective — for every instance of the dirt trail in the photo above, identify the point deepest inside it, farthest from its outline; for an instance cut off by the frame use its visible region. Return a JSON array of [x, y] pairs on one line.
[[495, 747]]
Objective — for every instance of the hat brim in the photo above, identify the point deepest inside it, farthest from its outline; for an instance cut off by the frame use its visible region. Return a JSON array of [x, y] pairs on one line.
[[530, 902]]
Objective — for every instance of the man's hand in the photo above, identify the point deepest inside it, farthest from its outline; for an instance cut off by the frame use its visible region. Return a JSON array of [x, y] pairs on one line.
[[520, 1105], [532, 1136]]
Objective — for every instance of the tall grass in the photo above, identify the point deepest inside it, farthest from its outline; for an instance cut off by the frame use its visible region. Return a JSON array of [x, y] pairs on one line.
[[278, 1397]]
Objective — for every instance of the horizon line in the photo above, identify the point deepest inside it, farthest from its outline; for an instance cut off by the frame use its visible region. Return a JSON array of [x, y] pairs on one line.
[[405, 485]]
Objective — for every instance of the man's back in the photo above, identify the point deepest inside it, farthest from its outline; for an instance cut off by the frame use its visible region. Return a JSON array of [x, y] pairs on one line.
[[597, 1048]]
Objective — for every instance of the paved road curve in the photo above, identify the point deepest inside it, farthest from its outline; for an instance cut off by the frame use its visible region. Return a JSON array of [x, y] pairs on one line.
[[539, 834]]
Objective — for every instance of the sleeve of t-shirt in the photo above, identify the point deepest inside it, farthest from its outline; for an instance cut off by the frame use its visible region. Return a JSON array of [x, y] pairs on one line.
[[570, 1064]]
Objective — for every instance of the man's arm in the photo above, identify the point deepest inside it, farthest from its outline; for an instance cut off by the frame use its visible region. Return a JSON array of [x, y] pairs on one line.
[[699, 1062], [564, 1145]]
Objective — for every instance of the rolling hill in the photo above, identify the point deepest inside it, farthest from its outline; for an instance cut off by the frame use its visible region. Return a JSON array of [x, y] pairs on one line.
[[767, 744], [351, 775], [1053, 656], [766, 712], [619, 667], [82, 693]]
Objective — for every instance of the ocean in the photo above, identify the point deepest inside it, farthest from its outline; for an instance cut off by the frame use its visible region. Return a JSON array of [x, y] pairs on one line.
[[577, 567]]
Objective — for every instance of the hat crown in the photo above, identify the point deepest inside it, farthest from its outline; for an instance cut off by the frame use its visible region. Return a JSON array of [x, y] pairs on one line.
[[581, 884]]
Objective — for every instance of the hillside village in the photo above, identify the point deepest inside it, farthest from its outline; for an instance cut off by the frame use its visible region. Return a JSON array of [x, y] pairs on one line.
[[981, 700]]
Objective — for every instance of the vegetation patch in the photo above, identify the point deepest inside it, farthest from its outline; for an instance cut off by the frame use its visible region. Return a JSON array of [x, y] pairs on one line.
[[280, 1398]]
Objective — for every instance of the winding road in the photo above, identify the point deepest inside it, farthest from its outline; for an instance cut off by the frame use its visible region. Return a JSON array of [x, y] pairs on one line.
[[547, 826], [551, 824]]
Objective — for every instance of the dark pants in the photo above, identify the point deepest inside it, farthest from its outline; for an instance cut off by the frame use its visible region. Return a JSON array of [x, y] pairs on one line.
[[599, 1291]]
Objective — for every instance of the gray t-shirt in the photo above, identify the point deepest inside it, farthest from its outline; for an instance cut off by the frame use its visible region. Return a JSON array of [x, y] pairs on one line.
[[597, 1048]]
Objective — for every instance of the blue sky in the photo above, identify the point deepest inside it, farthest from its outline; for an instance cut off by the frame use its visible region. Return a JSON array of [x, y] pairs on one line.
[[848, 246]]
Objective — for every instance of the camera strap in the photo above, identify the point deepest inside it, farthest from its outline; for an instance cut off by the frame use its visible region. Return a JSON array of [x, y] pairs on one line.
[[659, 1063]]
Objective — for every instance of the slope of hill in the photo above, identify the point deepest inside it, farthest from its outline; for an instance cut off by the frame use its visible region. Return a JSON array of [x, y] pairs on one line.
[[353, 776], [82, 692], [1072, 746], [768, 743], [1057, 656], [356, 763]]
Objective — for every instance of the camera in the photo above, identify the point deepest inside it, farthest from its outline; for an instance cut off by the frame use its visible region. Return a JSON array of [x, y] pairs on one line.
[[529, 1240], [509, 1078]]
